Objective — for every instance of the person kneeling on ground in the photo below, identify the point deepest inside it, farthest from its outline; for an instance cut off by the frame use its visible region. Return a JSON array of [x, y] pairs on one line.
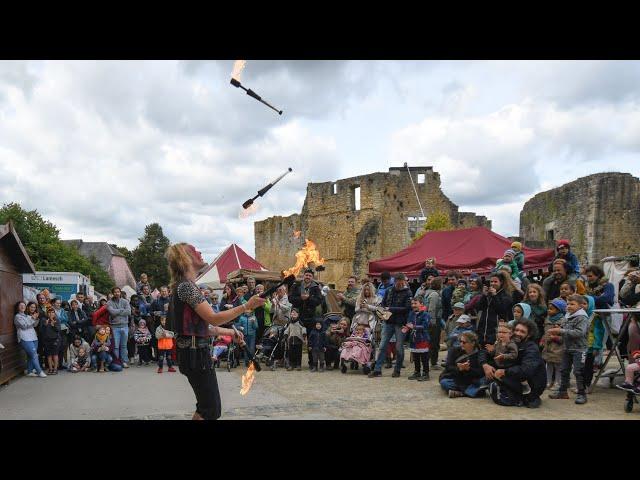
[[506, 383], [76, 364], [463, 374]]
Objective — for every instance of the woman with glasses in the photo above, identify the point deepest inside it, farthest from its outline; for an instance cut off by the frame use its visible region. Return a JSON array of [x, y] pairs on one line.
[[463, 376]]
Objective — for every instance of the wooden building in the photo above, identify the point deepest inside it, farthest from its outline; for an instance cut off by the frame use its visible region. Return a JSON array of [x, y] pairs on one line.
[[14, 261]]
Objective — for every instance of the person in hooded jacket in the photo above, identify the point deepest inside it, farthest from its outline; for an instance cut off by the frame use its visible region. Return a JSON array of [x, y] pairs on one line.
[[564, 252], [494, 304]]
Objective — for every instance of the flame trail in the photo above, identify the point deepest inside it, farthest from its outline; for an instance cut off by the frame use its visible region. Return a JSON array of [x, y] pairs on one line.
[[247, 379], [247, 212], [308, 254], [238, 66]]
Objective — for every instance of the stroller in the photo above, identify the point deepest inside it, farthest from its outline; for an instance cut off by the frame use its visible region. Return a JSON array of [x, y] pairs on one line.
[[356, 350], [271, 347], [332, 354], [230, 356]]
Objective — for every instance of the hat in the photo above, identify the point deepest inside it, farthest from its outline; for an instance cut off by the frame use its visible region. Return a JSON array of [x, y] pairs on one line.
[[464, 319], [295, 309], [517, 245], [462, 281], [509, 252], [526, 309], [563, 243], [458, 305], [559, 304], [400, 276]]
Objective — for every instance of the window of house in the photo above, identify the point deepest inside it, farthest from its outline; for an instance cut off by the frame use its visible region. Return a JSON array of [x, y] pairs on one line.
[[356, 198], [420, 178]]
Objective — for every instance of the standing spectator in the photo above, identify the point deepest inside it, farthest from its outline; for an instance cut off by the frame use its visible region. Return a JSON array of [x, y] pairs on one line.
[[595, 335], [229, 298], [144, 281], [536, 300], [463, 375], [460, 292], [165, 345], [424, 290], [306, 296], [386, 282], [74, 351], [251, 288], [445, 295], [419, 341], [159, 308], [573, 332], [365, 307], [398, 301], [494, 304], [599, 287], [63, 322], [25, 320], [511, 287], [553, 350], [142, 337], [52, 340], [263, 314], [281, 307], [564, 252], [347, 300], [630, 296], [215, 303], [295, 336], [434, 305], [429, 269], [119, 311], [78, 321], [336, 334], [101, 315]]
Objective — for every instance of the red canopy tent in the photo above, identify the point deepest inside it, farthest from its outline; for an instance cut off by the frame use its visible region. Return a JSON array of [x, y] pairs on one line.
[[470, 250]]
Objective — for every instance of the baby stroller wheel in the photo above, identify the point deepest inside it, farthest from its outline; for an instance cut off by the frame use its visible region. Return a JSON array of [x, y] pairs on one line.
[[366, 369], [343, 367], [628, 406]]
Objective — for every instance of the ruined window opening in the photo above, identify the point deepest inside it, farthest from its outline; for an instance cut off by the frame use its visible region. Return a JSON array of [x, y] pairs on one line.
[[549, 234], [415, 225], [335, 188], [356, 198], [421, 178]]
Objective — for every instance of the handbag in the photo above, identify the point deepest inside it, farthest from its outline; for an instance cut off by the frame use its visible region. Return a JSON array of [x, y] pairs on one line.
[[383, 314]]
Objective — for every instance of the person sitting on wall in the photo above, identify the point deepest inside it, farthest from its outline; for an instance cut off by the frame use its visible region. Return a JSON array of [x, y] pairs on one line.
[[560, 275], [564, 252], [429, 269]]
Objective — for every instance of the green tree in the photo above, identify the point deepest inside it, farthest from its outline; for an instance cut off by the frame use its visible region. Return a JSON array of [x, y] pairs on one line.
[[41, 240], [437, 221], [148, 256]]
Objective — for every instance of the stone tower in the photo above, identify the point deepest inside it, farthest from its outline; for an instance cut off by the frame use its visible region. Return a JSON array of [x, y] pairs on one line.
[[358, 219], [599, 214]]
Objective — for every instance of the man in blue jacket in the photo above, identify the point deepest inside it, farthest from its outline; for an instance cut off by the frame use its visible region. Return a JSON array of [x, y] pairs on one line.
[[564, 252]]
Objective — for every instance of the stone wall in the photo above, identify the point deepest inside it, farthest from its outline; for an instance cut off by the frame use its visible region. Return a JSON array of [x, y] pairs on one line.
[[599, 214], [348, 238]]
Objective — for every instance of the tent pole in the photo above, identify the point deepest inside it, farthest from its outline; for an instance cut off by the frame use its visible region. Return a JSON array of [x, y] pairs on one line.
[[414, 189]]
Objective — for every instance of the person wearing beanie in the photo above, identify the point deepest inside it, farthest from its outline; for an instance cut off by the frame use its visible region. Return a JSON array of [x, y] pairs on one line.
[[563, 251], [508, 259], [519, 255], [552, 348], [451, 323]]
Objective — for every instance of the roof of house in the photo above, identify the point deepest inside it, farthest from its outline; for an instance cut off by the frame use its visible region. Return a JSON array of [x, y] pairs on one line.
[[11, 242], [102, 251]]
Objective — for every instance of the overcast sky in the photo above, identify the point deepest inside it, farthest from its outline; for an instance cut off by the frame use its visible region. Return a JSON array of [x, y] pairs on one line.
[[103, 148]]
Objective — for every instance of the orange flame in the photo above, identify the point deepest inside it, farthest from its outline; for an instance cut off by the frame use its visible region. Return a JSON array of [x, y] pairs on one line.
[[296, 233], [308, 254], [247, 212], [247, 379], [238, 66]]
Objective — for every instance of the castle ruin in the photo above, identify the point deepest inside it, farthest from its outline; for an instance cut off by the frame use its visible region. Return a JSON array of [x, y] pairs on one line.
[[358, 219]]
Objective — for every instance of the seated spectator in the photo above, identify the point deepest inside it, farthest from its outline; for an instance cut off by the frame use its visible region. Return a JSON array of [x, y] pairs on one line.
[[220, 346], [630, 374], [25, 320], [429, 270], [463, 374], [463, 325], [506, 384], [77, 344], [564, 253], [508, 260], [100, 357]]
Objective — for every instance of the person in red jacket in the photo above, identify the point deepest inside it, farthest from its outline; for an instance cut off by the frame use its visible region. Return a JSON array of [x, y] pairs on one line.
[[101, 315]]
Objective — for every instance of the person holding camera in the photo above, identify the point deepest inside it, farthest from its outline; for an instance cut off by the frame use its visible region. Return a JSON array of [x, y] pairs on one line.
[[494, 304]]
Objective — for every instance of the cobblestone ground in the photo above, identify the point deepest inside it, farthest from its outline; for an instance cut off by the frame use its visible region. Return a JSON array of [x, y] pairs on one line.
[[140, 393]]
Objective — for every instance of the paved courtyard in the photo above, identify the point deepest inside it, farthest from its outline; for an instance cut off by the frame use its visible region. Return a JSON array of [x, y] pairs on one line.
[[141, 393]]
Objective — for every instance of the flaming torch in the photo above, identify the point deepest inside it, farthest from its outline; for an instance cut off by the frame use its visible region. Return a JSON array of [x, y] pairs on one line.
[[238, 66]]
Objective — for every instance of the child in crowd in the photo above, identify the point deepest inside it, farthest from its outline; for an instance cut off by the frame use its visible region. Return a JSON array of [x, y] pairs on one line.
[[419, 340], [335, 333], [595, 336], [566, 290], [505, 352], [82, 362], [459, 292], [520, 311], [295, 335], [220, 346], [631, 370], [535, 299], [508, 260], [318, 345], [450, 326], [552, 348], [463, 324], [519, 255], [165, 344], [573, 331], [52, 339], [100, 348], [142, 337]]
